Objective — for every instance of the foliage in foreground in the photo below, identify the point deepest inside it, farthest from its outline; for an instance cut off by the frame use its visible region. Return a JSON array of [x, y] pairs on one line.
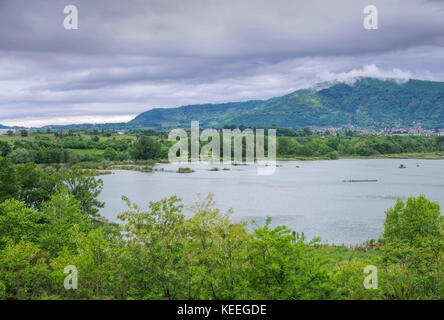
[[161, 254]]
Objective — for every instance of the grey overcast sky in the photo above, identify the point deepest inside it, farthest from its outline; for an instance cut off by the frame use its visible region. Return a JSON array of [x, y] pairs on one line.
[[129, 56]]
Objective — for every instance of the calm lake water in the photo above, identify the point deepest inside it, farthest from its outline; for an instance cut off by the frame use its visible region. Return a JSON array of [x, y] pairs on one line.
[[307, 197]]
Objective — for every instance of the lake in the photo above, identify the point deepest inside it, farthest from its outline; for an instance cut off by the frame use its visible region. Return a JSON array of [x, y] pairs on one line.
[[306, 196]]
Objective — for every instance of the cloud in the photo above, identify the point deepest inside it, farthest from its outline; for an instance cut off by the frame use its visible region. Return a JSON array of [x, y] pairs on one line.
[[128, 57], [367, 71]]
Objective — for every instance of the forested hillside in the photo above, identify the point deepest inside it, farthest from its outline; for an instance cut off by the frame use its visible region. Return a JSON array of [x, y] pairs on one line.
[[366, 103]]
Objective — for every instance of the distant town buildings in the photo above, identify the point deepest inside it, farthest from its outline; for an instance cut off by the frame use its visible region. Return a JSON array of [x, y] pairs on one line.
[[417, 130]]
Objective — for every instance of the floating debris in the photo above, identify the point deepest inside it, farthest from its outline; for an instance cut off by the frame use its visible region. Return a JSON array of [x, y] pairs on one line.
[[402, 166], [273, 165], [365, 180]]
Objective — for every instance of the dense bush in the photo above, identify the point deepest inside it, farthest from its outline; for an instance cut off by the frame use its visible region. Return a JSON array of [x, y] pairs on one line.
[[49, 221]]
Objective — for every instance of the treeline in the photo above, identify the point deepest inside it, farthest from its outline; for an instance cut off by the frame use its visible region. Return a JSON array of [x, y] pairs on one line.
[[335, 146], [33, 185], [92, 146], [75, 147], [48, 221]]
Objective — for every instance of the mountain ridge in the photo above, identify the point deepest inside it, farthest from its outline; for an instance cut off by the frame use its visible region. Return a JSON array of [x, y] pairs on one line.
[[361, 101]]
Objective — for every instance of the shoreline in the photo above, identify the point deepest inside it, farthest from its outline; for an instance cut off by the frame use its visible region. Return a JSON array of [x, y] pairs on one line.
[[144, 169], [413, 156], [128, 166]]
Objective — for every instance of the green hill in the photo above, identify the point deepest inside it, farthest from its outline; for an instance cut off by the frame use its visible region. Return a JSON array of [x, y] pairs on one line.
[[209, 115], [366, 103]]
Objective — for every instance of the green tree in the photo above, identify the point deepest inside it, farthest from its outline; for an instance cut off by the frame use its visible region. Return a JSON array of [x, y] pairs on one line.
[[362, 148], [287, 146], [414, 251], [146, 148], [156, 243], [111, 154], [21, 155], [62, 212], [281, 268], [97, 265], [24, 271], [36, 185], [83, 185], [9, 183], [19, 222], [5, 148], [216, 254], [413, 221]]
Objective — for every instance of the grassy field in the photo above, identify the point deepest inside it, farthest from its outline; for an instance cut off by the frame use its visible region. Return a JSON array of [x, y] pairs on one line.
[[15, 138], [91, 152]]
